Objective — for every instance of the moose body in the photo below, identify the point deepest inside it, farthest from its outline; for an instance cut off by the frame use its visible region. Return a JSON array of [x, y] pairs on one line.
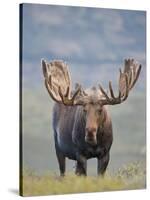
[[70, 124], [81, 122]]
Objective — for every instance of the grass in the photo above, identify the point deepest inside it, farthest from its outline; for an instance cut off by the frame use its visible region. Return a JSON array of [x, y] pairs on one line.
[[128, 177]]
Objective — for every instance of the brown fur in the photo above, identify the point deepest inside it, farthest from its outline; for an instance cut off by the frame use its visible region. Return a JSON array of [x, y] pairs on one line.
[[73, 125]]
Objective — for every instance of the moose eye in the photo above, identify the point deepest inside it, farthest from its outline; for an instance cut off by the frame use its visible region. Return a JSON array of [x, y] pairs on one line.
[[99, 111], [84, 110]]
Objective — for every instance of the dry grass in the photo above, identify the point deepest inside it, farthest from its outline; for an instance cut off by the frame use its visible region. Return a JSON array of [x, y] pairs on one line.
[[131, 176]]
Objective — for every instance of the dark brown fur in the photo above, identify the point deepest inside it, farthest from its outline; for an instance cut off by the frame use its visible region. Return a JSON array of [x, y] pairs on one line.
[[70, 124]]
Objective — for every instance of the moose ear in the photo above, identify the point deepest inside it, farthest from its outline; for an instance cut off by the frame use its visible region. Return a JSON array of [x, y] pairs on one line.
[[77, 85]]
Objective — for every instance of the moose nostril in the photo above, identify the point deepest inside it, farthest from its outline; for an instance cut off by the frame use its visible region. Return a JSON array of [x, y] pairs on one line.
[[90, 137]]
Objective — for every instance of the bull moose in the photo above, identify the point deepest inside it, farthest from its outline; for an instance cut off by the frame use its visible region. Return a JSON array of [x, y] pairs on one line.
[[81, 122]]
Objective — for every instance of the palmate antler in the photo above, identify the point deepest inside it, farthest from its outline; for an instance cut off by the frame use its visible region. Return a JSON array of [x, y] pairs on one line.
[[127, 80], [58, 83]]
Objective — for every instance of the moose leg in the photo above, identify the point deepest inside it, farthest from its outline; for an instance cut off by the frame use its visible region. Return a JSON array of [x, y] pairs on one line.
[[102, 164], [81, 165], [61, 162], [60, 157]]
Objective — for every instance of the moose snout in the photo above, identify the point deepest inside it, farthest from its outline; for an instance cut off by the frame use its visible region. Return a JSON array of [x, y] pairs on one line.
[[90, 136]]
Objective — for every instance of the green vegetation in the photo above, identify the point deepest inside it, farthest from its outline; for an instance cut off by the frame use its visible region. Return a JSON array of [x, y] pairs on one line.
[[131, 176]]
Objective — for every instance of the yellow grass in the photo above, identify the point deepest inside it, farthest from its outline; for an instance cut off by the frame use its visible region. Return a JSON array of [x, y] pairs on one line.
[[131, 176]]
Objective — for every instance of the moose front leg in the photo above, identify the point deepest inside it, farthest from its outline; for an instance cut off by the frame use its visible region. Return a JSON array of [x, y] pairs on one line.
[[102, 164], [61, 162], [81, 165]]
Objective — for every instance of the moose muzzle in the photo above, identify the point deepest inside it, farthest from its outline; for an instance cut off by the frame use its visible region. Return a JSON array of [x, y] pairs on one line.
[[90, 136]]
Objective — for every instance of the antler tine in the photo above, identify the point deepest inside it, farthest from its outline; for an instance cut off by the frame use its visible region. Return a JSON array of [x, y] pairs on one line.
[[127, 80], [78, 90], [44, 68], [69, 101], [50, 81], [132, 69], [136, 76], [111, 90], [104, 93], [126, 89], [67, 91]]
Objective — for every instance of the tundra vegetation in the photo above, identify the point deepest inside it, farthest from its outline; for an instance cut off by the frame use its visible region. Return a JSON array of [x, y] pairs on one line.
[[128, 177]]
